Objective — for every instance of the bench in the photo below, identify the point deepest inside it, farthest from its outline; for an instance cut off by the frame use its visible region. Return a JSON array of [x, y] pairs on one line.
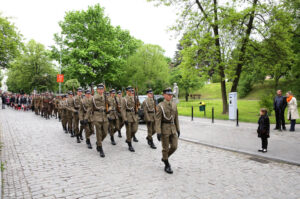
[[195, 96]]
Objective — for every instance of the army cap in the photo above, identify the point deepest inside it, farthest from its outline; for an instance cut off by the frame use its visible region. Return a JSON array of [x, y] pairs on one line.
[[100, 86], [129, 88], [79, 89], [119, 92], [168, 91], [70, 93], [112, 91], [149, 91], [64, 96], [87, 91]]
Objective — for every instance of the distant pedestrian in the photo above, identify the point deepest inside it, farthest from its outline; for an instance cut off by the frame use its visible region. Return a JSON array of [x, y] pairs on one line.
[[279, 107], [3, 98], [263, 130], [292, 110]]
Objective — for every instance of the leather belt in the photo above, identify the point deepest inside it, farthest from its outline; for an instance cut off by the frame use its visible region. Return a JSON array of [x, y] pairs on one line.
[[150, 111], [129, 110], [168, 122]]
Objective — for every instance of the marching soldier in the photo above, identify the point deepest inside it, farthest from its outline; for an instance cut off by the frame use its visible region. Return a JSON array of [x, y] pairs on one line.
[[112, 116], [56, 103], [36, 103], [99, 117], [119, 107], [149, 116], [129, 116], [46, 105], [63, 112], [69, 112], [75, 108], [136, 105], [41, 105], [167, 127], [85, 116]]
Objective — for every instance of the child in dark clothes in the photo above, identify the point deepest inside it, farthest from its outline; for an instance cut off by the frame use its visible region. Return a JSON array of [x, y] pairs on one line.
[[263, 130]]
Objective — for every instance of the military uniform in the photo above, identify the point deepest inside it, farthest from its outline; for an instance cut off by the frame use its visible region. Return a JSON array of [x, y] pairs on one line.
[[149, 117], [62, 107], [69, 113], [112, 116], [167, 128], [129, 117], [41, 105], [36, 104], [100, 120], [75, 107], [46, 106], [119, 104], [85, 117]]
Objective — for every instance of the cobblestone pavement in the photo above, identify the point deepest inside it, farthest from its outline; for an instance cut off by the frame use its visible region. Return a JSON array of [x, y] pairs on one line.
[[43, 162]]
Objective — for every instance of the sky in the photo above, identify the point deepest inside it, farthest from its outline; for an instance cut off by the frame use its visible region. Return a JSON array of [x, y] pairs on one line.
[[38, 19]]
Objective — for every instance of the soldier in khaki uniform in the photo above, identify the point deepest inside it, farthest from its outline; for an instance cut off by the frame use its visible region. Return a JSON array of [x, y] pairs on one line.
[[41, 105], [100, 120], [129, 116], [56, 103], [167, 127], [36, 104], [85, 116], [119, 107], [69, 113], [46, 105], [112, 116], [62, 107], [149, 116], [75, 108]]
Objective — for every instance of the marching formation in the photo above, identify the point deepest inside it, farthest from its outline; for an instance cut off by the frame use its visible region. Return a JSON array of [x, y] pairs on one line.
[[104, 113]]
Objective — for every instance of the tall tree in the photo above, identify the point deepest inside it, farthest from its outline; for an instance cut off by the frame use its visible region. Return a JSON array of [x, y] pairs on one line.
[[32, 69], [148, 67], [93, 50], [10, 42]]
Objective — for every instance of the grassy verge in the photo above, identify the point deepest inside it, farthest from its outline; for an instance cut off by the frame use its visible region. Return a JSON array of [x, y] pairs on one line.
[[248, 110]]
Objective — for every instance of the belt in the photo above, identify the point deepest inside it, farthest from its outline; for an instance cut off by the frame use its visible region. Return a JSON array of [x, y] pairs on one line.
[[168, 122], [150, 111], [129, 110]]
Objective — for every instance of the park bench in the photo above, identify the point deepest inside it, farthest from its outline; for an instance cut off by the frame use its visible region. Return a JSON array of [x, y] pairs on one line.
[[195, 96]]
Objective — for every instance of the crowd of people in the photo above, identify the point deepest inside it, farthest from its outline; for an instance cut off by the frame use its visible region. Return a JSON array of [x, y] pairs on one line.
[[104, 113]]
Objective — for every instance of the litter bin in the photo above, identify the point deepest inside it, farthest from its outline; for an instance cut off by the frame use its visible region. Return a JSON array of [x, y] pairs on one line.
[[202, 106]]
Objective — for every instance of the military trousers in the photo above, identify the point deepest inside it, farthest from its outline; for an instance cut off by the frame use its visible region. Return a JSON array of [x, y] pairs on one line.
[[76, 123], [169, 144], [113, 126], [88, 128], [121, 123], [70, 123], [150, 129], [64, 122], [131, 129], [101, 131], [36, 110]]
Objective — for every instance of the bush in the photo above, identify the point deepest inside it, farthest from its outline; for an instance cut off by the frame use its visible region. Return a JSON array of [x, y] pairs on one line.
[[266, 101], [245, 85]]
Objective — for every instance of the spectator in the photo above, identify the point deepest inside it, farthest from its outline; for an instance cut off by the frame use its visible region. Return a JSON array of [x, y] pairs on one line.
[[263, 130], [279, 107], [292, 110], [3, 98]]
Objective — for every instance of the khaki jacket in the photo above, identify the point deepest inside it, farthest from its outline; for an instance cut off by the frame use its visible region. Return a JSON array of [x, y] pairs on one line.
[[167, 118], [149, 110], [62, 107], [85, 109], [70, 107], [128, 112], [112, 108], [99, 109]]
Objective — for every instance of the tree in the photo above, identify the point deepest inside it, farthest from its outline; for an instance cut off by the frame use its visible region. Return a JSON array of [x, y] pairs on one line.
[[10, 42], [71, 85], [93, 51], [32, 69], [148, 67]]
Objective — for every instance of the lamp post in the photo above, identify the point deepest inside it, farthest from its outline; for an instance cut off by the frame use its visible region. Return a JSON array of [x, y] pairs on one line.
[[60, 63]]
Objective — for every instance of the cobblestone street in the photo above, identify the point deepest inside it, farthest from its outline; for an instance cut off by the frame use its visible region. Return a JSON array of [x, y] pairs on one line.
[[41, 161]]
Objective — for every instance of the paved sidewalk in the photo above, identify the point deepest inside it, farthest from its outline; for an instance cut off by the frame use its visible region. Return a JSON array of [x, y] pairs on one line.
[[283, 146]]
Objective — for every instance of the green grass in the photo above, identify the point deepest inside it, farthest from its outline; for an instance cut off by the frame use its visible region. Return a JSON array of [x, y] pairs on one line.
[[248, 110]]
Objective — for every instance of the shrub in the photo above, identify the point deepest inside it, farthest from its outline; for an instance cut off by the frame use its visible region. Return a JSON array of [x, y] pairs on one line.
[[266, 101], [245, 85]]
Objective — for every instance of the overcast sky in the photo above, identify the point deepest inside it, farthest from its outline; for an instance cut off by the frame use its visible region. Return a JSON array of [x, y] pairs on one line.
[[38, 19]]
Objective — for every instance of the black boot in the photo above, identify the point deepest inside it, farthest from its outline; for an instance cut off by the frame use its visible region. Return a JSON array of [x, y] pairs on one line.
[[152, 145], [72, 134], [148, 141], [89, 145], [80, 135], [78, 140], [168, 168], [119, 134], [130, 148], [102, 155], [112, 140], [134, 139], [98, 149]]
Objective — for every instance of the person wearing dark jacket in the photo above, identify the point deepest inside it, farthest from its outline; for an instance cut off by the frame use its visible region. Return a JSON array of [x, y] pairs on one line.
[[263, 129], [279, 107]]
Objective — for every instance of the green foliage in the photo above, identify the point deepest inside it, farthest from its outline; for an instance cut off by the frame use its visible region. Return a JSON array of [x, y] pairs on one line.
[[10, 42], [148, 68], [31, 70], [245, 85], [93, 51], [266, 101], [71, 85]]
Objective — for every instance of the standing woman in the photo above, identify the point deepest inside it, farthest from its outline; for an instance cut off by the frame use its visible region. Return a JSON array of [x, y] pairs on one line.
[[292, 109], [263, 130]]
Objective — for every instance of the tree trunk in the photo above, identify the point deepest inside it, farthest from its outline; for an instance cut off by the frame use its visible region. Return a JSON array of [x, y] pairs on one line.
[[219, 59], [245, 42], [186, 96]]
